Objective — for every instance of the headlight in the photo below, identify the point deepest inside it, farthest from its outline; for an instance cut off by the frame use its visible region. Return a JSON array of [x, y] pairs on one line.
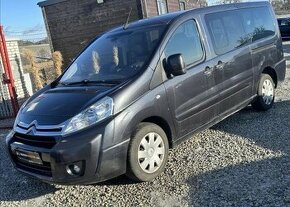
[[92, 115]]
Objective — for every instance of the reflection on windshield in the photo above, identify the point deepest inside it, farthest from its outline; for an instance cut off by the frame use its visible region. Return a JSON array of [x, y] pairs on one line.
[[115, 56]]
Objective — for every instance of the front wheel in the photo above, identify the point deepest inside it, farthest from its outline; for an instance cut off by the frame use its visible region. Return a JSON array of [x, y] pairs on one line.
[[148, 152], [266, 94]]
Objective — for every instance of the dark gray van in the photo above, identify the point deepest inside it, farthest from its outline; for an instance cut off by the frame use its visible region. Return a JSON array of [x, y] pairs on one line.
[[140, 89]]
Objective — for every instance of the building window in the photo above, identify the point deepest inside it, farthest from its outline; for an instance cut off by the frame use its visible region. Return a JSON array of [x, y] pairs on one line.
[[162, 6], [182, 5]]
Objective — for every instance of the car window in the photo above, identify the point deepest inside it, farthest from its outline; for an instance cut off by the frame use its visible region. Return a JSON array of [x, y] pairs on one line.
[[220, 39], [248, 21], [284, 22], [263, 23], [225, 30], [186, 41], [231, 29], [115, 55]]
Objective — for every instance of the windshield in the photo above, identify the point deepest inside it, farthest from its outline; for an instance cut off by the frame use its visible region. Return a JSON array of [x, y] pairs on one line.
[[115, 56]]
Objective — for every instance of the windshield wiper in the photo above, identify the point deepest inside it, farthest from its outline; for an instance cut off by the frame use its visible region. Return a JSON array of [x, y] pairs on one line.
[[86, 81]]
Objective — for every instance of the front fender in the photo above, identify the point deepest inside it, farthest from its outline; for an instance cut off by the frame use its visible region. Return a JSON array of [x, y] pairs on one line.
[[153, 103]]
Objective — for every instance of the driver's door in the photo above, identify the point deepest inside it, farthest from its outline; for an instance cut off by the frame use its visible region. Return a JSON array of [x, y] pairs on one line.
[[191, 96]]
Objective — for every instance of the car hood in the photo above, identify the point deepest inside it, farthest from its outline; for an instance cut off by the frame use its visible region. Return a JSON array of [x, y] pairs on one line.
[[56, 105]]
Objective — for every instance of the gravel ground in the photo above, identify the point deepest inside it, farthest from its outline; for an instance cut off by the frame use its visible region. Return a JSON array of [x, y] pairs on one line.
[[242, 161], [6, 123]]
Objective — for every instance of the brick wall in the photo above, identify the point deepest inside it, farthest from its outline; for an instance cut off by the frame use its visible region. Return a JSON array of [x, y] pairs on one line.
[[22, 81], [73, 23], [17, 69], [173, 5], [152, 8]]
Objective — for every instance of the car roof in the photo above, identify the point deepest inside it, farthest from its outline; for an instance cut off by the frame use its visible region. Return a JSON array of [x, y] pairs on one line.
[[151, 21], [166, 19]]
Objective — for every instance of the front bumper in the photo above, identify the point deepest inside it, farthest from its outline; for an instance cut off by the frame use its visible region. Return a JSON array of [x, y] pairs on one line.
[[57, 153]]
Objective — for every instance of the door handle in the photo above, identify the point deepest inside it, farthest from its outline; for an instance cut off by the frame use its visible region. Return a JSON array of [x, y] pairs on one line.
[[208, 70], [220, 65]]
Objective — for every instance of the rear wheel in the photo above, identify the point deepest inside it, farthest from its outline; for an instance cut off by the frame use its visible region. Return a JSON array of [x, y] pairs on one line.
[[266, 94], [148, 152]]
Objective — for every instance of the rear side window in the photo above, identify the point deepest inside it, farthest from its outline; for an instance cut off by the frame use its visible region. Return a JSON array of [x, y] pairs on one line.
[[258, 22], [186, 41], [225, 30], [231, 29]]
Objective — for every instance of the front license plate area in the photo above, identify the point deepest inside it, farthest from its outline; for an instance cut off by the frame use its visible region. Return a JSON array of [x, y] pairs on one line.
[[28, 156]]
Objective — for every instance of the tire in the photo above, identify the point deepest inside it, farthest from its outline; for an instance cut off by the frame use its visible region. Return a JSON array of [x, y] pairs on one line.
[[266, 94], [147, 159]]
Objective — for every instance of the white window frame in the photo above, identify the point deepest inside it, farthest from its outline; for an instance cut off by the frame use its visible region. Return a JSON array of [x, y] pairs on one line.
[[182, 2], [162, 7]]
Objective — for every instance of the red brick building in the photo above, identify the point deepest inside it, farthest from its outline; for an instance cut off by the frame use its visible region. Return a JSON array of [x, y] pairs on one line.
[[71, 24]]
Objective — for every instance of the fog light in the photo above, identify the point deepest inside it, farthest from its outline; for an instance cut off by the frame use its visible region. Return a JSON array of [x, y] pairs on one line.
[[75, 169]]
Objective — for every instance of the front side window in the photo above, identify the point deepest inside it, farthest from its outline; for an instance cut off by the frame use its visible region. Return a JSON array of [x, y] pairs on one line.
[[115, 56], [162, 6], [185, 41]]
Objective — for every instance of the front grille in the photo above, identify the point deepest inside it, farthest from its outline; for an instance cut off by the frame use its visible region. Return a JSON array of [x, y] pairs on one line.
[[44, 142], [36, 141], [44, 169], [56, 129]]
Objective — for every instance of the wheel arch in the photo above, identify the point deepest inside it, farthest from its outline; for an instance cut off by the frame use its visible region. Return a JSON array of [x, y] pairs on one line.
[[271, 72], [163, 124]]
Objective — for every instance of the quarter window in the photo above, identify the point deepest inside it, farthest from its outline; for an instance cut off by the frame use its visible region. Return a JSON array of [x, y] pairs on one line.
[[185, 41], [162, 7]]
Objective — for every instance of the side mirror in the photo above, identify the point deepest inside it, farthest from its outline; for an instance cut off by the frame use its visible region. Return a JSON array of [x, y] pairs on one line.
[[176, 65]]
